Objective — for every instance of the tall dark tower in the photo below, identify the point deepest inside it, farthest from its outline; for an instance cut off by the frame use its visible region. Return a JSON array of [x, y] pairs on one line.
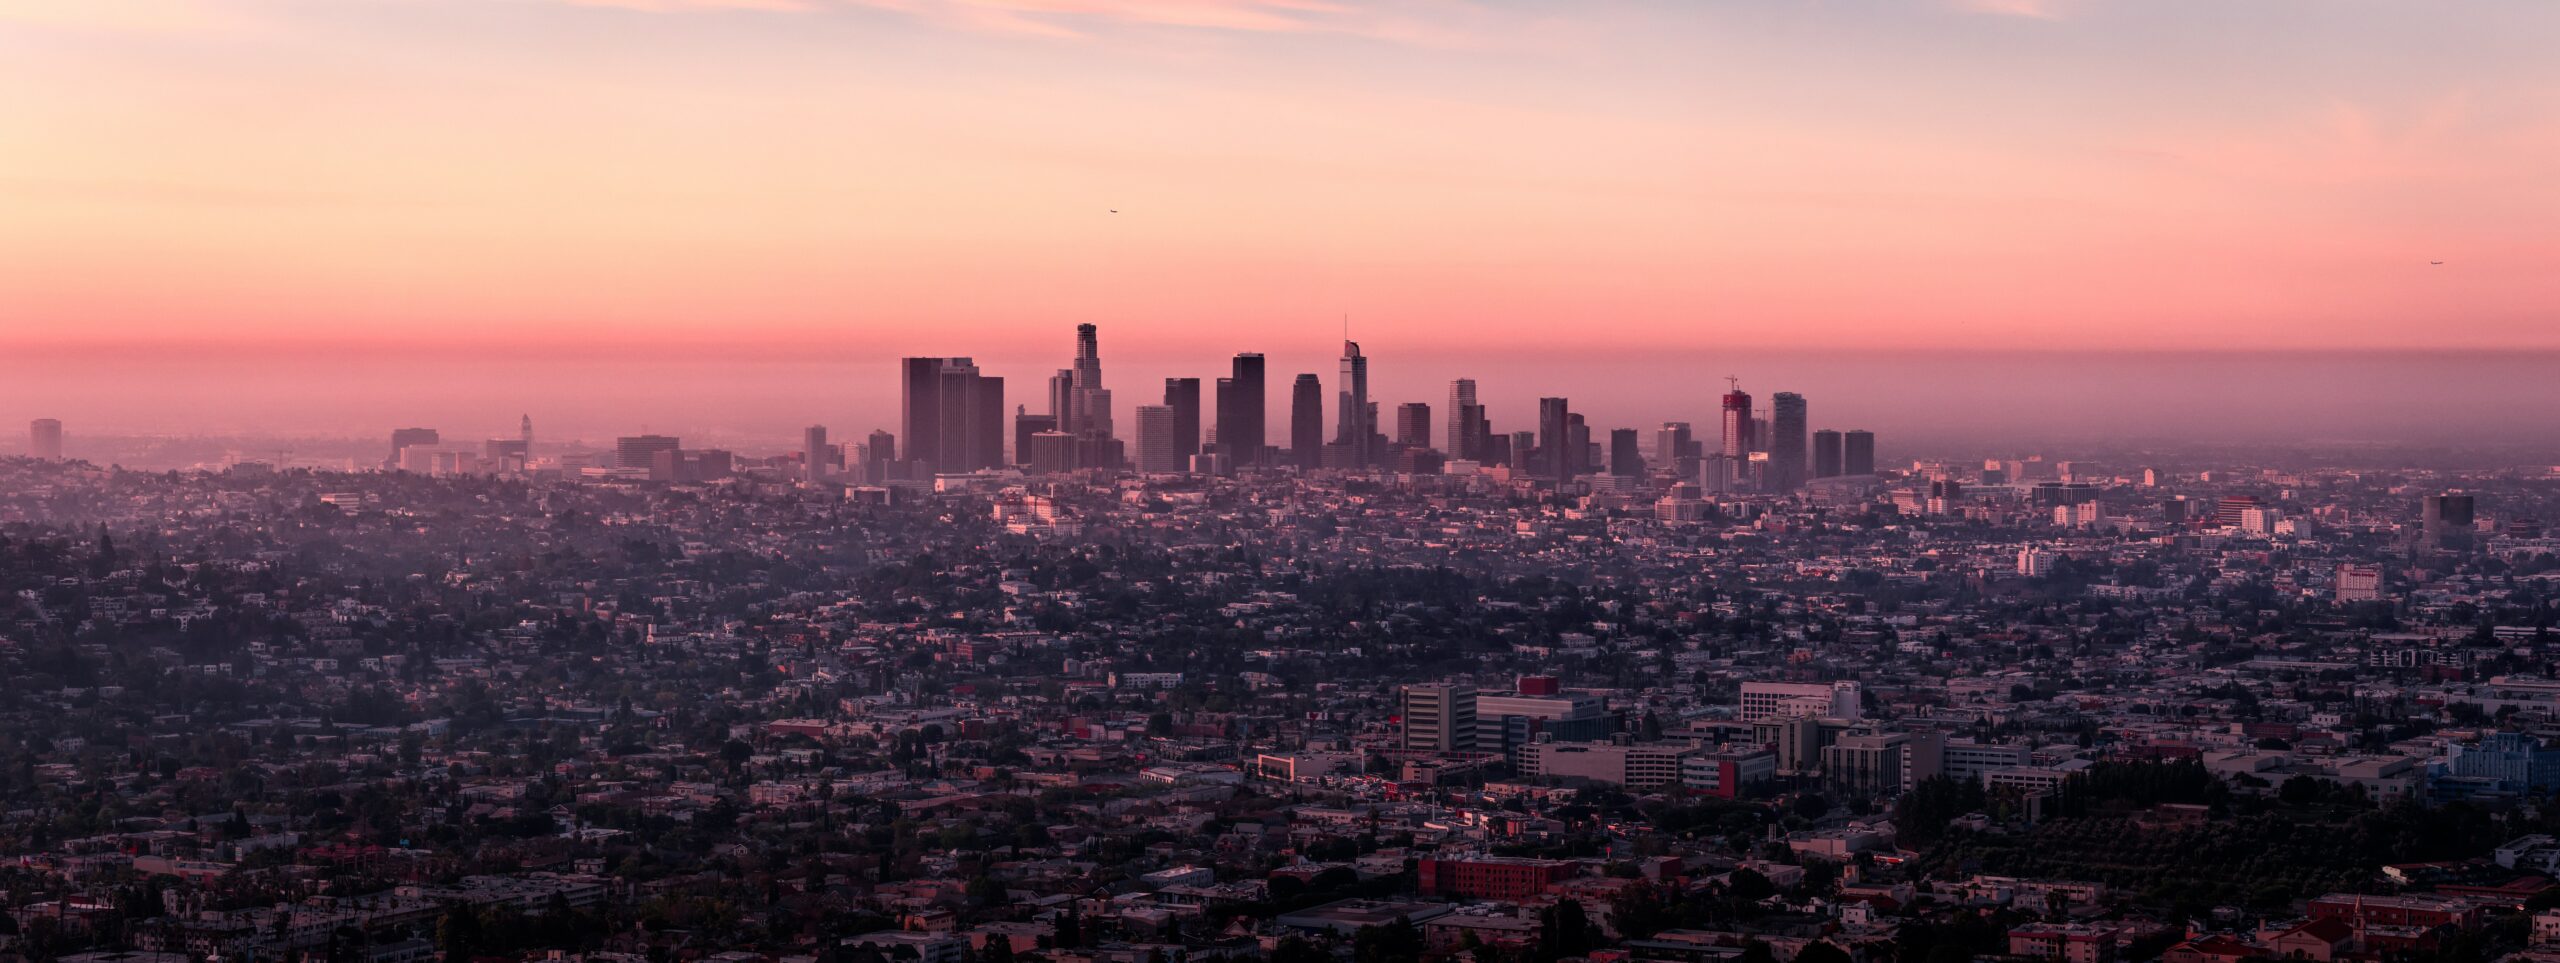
[[1413, 425], [1241, 410], [1786, 441], [920, 409], [1826, 453], [1858, 452], [1356, 422], [1623, 460], [1306, 422], [1183, 396], [2445, 522], [953, 417], [1027, 426], [1460, 441], [1556, 456], [883, 452]]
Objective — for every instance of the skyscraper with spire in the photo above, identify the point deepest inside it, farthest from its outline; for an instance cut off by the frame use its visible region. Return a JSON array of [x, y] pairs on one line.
[[1088, 401], [1355, 420], [1737, 423]]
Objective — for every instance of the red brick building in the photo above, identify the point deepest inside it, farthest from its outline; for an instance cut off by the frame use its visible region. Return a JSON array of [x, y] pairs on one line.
[[1491, 877]]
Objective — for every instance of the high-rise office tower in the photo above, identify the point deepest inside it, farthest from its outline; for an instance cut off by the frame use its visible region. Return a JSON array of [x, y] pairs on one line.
[[1306, 422], [641, 451], [403, 439], [882, 452], [813, 452], [1786, 441], [44, 440], [1737, 424], [1459, 440], [953, 416], [1062, 398], [2446, 522], [1159, 447], [1524, 456], [1089, 402], [920, 408], [1826, 453], [1183, 396], [1858, 452], [1556, 455], [1355, 421], [1586, 456], [985, 432], [1478, 436], [1241, 411], [1413, 425], [1025, 426], [1623, 459], [1671, 442]]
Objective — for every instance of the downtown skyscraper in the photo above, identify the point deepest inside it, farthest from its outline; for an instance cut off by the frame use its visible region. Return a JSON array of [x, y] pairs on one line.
[[1462, 438], [1786, 441], [1413, 425], [1158, 446], [815, 457], [1858, 452], [1355, 418], [1737, 425], [951, 415], [1557, 457], [1306, 422], [1241, 411], [1088, 410], [1183, 396]]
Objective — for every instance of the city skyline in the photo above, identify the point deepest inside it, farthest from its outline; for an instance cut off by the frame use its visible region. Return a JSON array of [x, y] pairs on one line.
[[1279, 481]]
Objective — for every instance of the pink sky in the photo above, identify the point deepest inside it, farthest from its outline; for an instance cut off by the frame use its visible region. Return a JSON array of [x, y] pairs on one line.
[[787, 177]]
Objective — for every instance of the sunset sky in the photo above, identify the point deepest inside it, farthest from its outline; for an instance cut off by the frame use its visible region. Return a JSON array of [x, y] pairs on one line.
[[763, 178]]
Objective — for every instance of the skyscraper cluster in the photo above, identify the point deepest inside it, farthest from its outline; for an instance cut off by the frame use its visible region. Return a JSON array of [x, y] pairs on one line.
[[952, 424]]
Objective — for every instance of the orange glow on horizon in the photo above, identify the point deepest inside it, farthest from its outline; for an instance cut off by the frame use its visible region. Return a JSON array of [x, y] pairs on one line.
[[781, 176]]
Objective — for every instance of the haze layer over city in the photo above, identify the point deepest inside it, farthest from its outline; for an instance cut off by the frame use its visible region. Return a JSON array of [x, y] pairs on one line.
[[1316, 481]]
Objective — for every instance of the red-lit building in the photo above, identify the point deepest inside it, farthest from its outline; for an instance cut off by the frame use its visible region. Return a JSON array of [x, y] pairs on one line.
[[1491, 877]]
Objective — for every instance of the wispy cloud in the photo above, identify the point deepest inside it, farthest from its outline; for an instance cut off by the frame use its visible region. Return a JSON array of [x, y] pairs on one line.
[[779, 6], [121, 15], [1077, 18], [2036, 9]]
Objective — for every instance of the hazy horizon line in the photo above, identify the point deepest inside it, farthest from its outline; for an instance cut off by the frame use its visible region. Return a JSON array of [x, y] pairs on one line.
[[717, 350]]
